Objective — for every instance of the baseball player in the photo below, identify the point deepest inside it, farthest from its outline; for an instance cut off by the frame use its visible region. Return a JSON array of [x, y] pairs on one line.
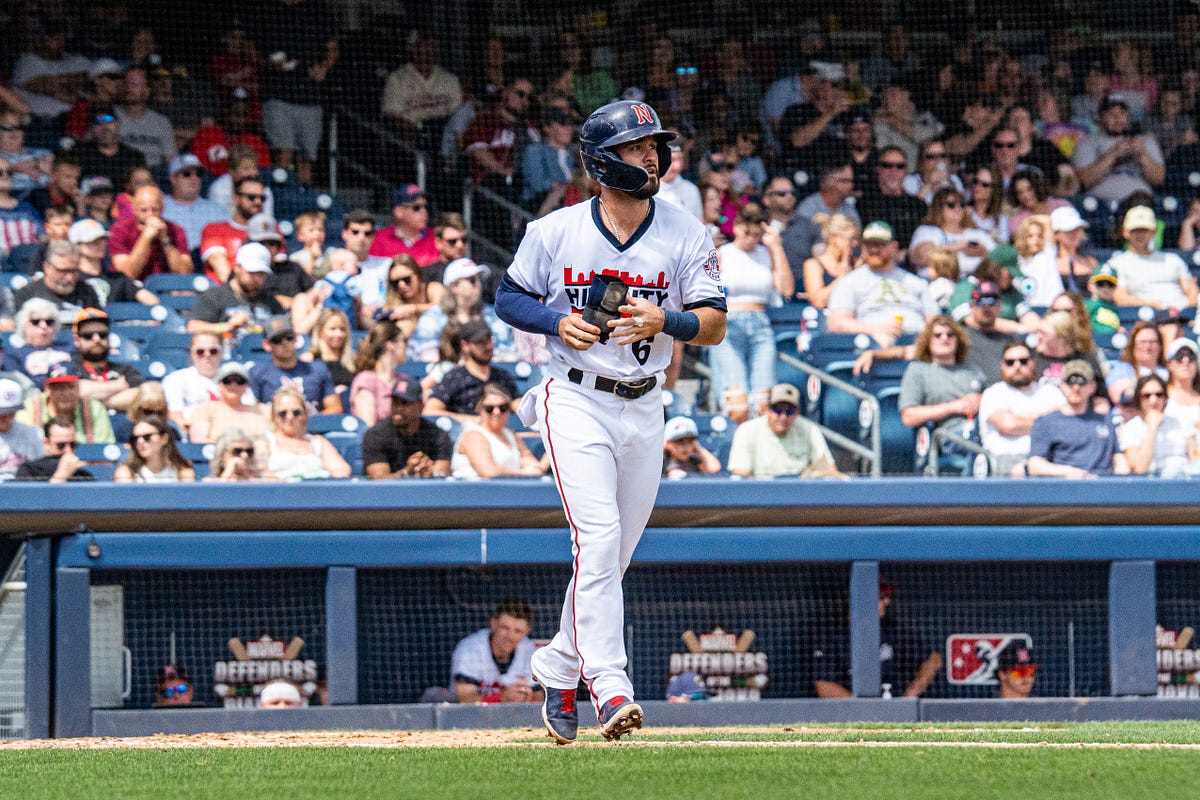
[[612, 283]]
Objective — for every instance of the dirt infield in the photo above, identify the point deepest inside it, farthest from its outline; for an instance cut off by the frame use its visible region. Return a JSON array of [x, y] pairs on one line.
[[533, 737]]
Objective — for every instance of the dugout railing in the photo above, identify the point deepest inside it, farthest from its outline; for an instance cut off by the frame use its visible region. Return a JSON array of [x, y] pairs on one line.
[[356, 563]]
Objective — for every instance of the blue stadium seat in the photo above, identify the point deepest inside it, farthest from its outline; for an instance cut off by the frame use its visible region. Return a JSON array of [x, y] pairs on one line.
[[199, 454], [335, 423], [181, 304], [415, 369], [96, 453], [349, 446], [138, 314], [526, 375], [170, 347], [165, 283], [13, 280], [897, 439], [826, 348], [450, 425], [716, 434]]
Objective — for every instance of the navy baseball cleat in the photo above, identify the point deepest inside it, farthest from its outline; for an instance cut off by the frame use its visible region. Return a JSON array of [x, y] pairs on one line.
[[619, 716], [559, 714]]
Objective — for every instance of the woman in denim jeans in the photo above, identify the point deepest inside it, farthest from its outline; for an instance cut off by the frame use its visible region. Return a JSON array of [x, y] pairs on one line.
[[754, 272]]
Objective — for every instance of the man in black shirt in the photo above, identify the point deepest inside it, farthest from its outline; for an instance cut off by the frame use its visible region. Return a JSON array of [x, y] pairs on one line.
[[103, 154], [60, 464], [241, 302], [458, 393], [887, 201], [115, 385], [60, 283], [96, 270], [406, 446]]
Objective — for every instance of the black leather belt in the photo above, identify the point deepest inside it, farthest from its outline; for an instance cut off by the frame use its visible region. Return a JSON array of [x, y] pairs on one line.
[[628, 390]]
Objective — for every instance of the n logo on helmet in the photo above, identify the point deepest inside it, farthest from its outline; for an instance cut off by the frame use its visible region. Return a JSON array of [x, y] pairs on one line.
[[645, 116]]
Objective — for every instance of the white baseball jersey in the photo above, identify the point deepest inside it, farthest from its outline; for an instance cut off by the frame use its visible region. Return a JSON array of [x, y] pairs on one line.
[[473, 662], [669, 260]]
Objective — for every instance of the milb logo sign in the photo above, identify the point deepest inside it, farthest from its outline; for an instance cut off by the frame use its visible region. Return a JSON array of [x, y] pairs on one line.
[[971, 657]]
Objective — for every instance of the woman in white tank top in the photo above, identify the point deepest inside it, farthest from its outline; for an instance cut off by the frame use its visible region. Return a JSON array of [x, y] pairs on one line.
[[291, 454], [754, 272], [490, 449], [153, 457]]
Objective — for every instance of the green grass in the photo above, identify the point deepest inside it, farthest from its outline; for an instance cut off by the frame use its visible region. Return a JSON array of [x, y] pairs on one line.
[[667, 772]]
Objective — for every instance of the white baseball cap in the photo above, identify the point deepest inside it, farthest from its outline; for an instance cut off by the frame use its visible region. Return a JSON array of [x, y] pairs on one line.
[[254, 257], [680, 428], [184, 161], [262, 227], [11, 396], [104, 66], [1066, 219], [85, 231], [461, 268], [1139, 218]]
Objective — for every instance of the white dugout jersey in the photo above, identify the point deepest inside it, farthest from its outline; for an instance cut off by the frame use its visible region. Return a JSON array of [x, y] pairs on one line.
[[670, 260]]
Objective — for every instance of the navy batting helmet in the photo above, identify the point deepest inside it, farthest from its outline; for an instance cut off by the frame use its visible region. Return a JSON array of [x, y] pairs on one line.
[[614, 124]]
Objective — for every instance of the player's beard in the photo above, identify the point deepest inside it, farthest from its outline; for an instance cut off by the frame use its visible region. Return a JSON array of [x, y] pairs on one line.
[[648, 190]]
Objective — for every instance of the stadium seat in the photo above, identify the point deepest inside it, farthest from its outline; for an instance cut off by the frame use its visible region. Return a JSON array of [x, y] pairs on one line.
[[335, 423], [450, 425], [898, 441], [199, 454], [182, 304], [139, 314], [98, 453], [716, 434], [171, 347], [526, 375], [13, 280], [167, 283]]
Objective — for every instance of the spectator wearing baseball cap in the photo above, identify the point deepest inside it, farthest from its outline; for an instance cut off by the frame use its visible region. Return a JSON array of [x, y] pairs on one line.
[[687, 687], [405, 444], [781, 443], [114, 385], [1149, 277], [60, 283], [1114, 162], [91, 239], [1016, 668], [985, 338], [859, 303], [19, 443], [61, 398], [96, 197], [185, 206], [683, 454], [241, 302], [232, 409], [103, 153], [107, 79], [1075, 441], [410, 232], [59, 464], [458, 393], [1101, 305], [1069, 230], [286, 369], [463, 301], [287, 278]]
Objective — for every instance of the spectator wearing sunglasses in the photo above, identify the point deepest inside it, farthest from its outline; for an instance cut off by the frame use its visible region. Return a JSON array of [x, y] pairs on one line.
[[490, 449], [289, 452], [60, 464], [233, 408], [410, 232], [885, 198], [781, 443], [32, 350], [104, 154], [60, 284], [29, 166], [184, 205], [285, 369], [154, 456], [114, 385], [241, 302], [1154, 443], [188, 388], [173, 688], [1075, 441], [939, 386], [1007, 409], [234, 458], [1016, 669]]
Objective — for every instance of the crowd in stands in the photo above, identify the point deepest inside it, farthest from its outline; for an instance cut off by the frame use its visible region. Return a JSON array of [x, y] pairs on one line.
[[1016, 226]]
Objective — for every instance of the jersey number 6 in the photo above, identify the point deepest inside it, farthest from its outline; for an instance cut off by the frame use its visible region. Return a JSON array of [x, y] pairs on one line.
[[642, 348]]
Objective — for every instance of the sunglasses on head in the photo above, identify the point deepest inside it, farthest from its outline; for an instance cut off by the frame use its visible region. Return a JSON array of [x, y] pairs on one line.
[[784, 410]]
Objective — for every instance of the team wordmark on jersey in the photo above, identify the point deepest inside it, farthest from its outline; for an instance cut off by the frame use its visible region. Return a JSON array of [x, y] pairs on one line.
[[576, 285]]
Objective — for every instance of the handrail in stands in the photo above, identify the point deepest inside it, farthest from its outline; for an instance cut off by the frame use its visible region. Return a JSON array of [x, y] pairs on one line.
[[384, 136], [873, 454], [470, 190], [935, 450]]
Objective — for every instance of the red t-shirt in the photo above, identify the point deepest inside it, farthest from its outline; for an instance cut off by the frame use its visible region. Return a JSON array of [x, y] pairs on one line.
[[490, 130], [388, 245], [124, 233], [225, 237], [211, 145]]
